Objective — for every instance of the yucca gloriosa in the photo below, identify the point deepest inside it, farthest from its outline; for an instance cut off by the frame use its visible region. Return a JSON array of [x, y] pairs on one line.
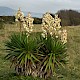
[[35, 55], [54, 55], [22, 51]]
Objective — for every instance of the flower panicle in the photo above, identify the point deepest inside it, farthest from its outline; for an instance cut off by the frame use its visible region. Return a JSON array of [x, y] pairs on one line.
[[52, 26], [64, 36], [19, 16], [27, 22]]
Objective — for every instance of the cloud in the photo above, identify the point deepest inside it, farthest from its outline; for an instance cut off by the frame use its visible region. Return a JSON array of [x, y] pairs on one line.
[[41, 5]]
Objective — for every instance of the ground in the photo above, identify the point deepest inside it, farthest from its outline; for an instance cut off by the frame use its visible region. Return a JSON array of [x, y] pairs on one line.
[[72, 69]]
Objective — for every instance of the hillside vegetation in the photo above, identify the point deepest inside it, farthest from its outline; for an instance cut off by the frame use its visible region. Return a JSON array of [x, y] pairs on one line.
[[68, 17]]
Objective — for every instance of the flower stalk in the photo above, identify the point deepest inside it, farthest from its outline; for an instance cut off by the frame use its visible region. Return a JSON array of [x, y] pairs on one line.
[[19, 17]]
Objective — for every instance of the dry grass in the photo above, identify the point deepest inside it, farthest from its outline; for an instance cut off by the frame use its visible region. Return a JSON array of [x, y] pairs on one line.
[[72, 71]]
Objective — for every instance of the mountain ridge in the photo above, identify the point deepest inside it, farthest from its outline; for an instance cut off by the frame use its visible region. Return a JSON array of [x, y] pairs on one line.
[[6, 11]]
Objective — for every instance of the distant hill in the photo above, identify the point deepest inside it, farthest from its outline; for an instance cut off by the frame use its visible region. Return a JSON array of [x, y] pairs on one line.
[[6, 11], [69, 17]]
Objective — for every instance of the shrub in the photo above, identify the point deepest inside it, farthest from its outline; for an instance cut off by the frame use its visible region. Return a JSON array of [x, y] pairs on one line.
[[35, 55], [22, 53], [53, 56], [38, 55], [37, 20]]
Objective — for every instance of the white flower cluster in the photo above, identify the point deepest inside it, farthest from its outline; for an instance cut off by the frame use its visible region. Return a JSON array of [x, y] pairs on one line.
[[64, 36], [28, 23], [19, 16], [52, 26]]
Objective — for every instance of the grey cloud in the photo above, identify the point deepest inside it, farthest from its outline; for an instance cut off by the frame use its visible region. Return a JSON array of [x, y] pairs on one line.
[[41, 5]]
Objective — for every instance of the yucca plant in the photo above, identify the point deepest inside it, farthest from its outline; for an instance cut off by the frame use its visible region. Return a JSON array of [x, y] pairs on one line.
[[35, 55], [22, 53], [54, 54]]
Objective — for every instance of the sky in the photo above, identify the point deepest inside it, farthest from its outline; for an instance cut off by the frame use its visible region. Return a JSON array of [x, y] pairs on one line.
[[41, 6]]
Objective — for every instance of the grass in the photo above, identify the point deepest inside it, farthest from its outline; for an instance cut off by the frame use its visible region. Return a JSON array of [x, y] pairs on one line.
[[72, 70]]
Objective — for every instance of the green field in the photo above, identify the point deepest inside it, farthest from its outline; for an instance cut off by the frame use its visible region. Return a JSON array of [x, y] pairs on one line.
[[72, 69]]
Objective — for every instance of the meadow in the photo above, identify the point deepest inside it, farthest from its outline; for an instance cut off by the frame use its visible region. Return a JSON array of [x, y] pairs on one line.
[[72, 69]]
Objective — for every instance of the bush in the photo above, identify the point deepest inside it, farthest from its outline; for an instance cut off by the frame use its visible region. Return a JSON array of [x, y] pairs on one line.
[[69, 17], [37, 21], [7, 19], [53, 55], [35, 55], [22, 53]]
